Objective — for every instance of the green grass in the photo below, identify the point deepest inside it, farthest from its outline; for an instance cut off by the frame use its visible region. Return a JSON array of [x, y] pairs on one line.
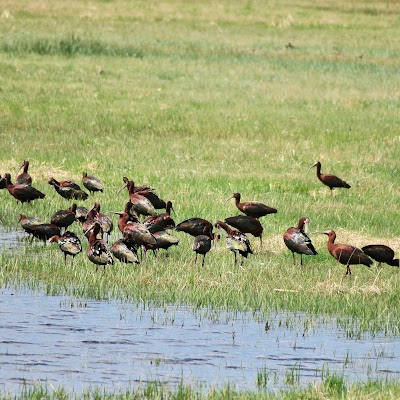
[[201, 100], [331, 387]]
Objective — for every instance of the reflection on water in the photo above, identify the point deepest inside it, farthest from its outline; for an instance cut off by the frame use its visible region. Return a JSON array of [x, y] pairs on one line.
[[58, 341]]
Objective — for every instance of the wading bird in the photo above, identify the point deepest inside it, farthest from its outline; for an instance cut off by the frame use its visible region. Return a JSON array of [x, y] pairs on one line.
[[140, 204], [252, 208], [194, 226], [164, 241], [68, 189], [202, 243], [105, 221], [92, 183], [236, 241], [43, 231], [381, 254], [24, 177], [69, 244], [161, 221], [345, 253], [125, 251], [246, 224], [332, 181], [99, 251], [297, 241], [64, 218], [23, 193]]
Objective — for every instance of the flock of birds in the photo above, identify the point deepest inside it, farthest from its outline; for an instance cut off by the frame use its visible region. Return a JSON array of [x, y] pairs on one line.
[[152, 232]]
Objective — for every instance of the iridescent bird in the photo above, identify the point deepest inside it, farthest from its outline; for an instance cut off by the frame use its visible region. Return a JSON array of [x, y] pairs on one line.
[[99, 252], [64, 218], [297, 241], [202, 243], [125, 251], [23, 193], [194, 226], [92, 183], [24, 177], [252, 208], [332, 181], [68, 189], [236, 241], [164, 241], [345, 253], [69, 244], [42, 231], [381, 254], [105, 221], [246, 224]]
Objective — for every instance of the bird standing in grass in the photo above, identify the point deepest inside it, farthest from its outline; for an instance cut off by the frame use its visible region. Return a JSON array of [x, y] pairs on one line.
[[202, 243], [297, 241], [332, 181], [99, 252], [381, 254], [246, 224], [69, 244], [23, 193], [92, 183], [345, 253], [24, 177], [252, 208], [236, 241]]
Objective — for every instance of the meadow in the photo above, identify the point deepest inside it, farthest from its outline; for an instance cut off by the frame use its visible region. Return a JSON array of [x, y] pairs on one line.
[[200, 100]]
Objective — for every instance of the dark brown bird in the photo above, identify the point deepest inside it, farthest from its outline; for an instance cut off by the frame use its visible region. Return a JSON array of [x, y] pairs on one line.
[[26, 222], [24, 177], [3, 183], [69, 244], [140, 204], [381, 254], [332, 181], [81, 214], [345, 253], [164, 241], [125, 251], [126, 213], [162, 221], [68, 189], [297, 241], [135, 232], [64, 218], [194, 226], [23, 193], [202, 243], [236, 241], [99, 252], [92, 183], [246, 224], [252, 208], [43, 231], [105, 221]]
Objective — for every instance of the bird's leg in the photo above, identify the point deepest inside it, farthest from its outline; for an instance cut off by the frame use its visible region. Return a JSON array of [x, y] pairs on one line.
[[379, 264], [195, 260], [261, 241], [301, 259], [204, 258], [65, 258], [235, 256], [348, 271], [294, 259]]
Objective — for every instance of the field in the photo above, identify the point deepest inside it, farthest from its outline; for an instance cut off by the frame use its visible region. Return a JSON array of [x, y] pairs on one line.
[[201, 100]]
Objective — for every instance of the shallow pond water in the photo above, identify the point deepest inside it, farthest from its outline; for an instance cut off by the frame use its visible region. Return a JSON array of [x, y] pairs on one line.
[[60, 341]]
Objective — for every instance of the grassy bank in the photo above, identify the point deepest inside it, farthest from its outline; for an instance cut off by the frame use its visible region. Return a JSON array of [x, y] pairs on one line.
[[200, 101]]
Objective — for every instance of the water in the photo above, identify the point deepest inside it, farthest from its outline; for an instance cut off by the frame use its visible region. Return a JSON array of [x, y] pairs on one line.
[[59, 341]]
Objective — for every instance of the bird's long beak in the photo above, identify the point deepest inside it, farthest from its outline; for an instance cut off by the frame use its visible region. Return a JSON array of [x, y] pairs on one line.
[[312, 166], [124, 185], [318, 232], [228, 199]]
